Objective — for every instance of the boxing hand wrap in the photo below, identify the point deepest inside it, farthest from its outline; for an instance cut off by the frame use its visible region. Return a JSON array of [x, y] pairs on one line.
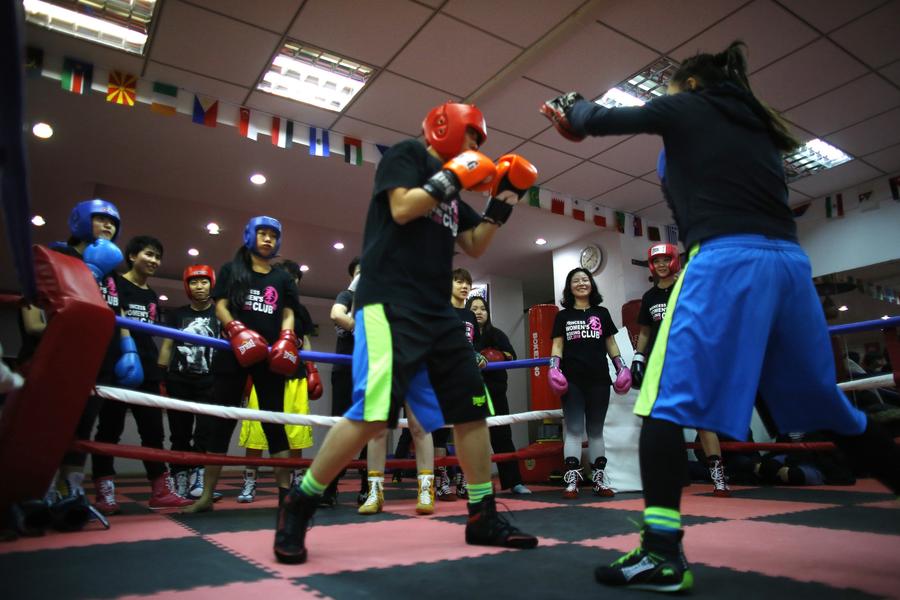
[[101, 257], [623, 376], [313, 382], [480, 360], [463, 172], [248, 346], [128, 370], [493, 355], [637, 370], [557, 110], [515, 175], [284, 356], [558, 383]]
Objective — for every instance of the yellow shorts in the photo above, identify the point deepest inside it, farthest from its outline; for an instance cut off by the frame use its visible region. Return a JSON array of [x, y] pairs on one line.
[[296, 402]]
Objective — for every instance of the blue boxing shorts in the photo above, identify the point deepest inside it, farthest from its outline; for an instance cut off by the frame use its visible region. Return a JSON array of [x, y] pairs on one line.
[[744, 317]]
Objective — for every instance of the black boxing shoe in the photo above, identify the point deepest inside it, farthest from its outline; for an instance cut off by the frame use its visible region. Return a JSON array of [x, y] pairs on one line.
[[295, 510], [486, 527]]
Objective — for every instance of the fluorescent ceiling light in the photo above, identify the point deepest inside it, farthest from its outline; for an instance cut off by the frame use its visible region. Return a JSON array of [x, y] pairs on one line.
[[814, 155], [122, 24], [314, 76]]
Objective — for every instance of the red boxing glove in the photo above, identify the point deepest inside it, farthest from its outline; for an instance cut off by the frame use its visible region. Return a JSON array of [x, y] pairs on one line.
[[313, 382], [249, 347], [162, 388], [493, 355], [284, 357]]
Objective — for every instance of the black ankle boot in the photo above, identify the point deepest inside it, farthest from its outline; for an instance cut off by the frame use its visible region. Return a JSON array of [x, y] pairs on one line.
[[295, 510], [486, 527]]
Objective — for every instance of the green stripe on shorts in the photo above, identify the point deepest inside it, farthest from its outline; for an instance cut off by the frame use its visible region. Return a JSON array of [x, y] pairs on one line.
[[650, 386], [380, 352]]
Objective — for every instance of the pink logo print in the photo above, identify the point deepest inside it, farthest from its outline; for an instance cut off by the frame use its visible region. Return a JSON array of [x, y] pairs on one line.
[[270, 296], [594, 324], [151, 309], [111, 286]]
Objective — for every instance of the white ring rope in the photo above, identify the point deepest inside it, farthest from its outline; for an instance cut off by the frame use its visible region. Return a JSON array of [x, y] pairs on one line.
[[265, 416]]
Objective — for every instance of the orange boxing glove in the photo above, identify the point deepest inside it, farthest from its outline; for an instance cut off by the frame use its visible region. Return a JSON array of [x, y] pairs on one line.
[[469, 170], [515, 175]]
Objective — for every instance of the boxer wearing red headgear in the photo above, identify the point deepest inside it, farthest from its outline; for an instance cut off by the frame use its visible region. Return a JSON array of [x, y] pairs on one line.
[[408, 345], [195, 289]]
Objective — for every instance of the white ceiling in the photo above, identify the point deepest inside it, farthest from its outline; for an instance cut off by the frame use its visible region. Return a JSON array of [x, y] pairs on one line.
[[832, 67]]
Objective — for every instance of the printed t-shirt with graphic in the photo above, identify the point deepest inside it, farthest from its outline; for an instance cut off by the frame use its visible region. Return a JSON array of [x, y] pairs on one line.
[[653, 309], [189, 361], [584, 334], [410, 265], [267, 296], [141, 304]]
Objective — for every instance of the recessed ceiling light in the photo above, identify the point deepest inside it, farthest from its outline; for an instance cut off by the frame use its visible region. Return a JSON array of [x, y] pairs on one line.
[[38, 221], [258, 178], [540, 241], [304, 268], [193, 252], [843, 308], [307, 74], [163, 298], [42, 130], [212, 228], [338, 246], [122, 25]]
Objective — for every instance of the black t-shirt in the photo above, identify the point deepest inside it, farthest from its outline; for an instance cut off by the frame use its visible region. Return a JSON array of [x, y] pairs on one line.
[[140, 304], [303, 325], [584, 334], [470, 325], [344, 343], [653, 309], [268, 295], [410, 265], [190, 361], [495, 338]]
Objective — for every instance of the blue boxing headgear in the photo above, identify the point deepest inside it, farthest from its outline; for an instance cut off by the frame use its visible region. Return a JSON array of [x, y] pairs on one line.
[[661, 165], [254, 224], [80, 224]]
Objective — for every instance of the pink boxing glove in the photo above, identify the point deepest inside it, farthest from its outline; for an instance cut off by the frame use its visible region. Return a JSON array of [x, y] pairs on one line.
[[623, 376], [557, 380]]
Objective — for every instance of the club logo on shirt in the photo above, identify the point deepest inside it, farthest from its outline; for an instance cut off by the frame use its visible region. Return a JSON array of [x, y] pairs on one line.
[[470, 332], [657, 312], [447, 215], [580, 329], [261, 301], [109, 292], [151, 310], [145, 313]]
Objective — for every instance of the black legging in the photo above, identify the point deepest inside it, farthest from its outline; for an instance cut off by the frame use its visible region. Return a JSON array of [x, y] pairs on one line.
[[501, 437], [112, 423], [228, 390], [183, 436]]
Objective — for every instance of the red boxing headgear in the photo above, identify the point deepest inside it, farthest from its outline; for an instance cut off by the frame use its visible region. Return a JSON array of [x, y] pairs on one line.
[[445, 127], [198, 271], [667, 250]]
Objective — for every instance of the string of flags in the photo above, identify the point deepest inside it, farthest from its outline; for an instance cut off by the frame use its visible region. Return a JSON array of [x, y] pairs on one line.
[[878, 292], [125, 89], [836, 206], [601, 216]]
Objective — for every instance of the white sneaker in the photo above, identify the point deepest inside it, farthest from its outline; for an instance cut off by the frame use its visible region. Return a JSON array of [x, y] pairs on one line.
[[248, 491], [196, 482], [425, 499], [520, 489]]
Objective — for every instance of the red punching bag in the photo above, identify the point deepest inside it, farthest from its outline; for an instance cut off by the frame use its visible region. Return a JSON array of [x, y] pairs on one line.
[[540, 327], [630, 312]]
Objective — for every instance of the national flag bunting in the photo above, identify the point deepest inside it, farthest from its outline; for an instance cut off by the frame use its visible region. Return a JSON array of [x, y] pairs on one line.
[[895, 187], [672, 234], [353, 151], [653, 233], [638, 227], [557, 205], [34, 61], [76, 76], [799, 210], [382, 148], [834, 207], [165, 97], [578, 209], [620, 221], [318, 142], [534, 197], [245, 124], [122, 88], [601, 216], [282, 132], [206, 111]]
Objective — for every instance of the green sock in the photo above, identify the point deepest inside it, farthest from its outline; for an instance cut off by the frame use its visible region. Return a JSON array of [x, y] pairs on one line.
[[477, 491], [310, 487], [662, 519]]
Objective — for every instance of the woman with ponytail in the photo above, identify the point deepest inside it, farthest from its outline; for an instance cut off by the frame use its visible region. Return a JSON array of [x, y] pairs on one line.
[[724, 336]]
